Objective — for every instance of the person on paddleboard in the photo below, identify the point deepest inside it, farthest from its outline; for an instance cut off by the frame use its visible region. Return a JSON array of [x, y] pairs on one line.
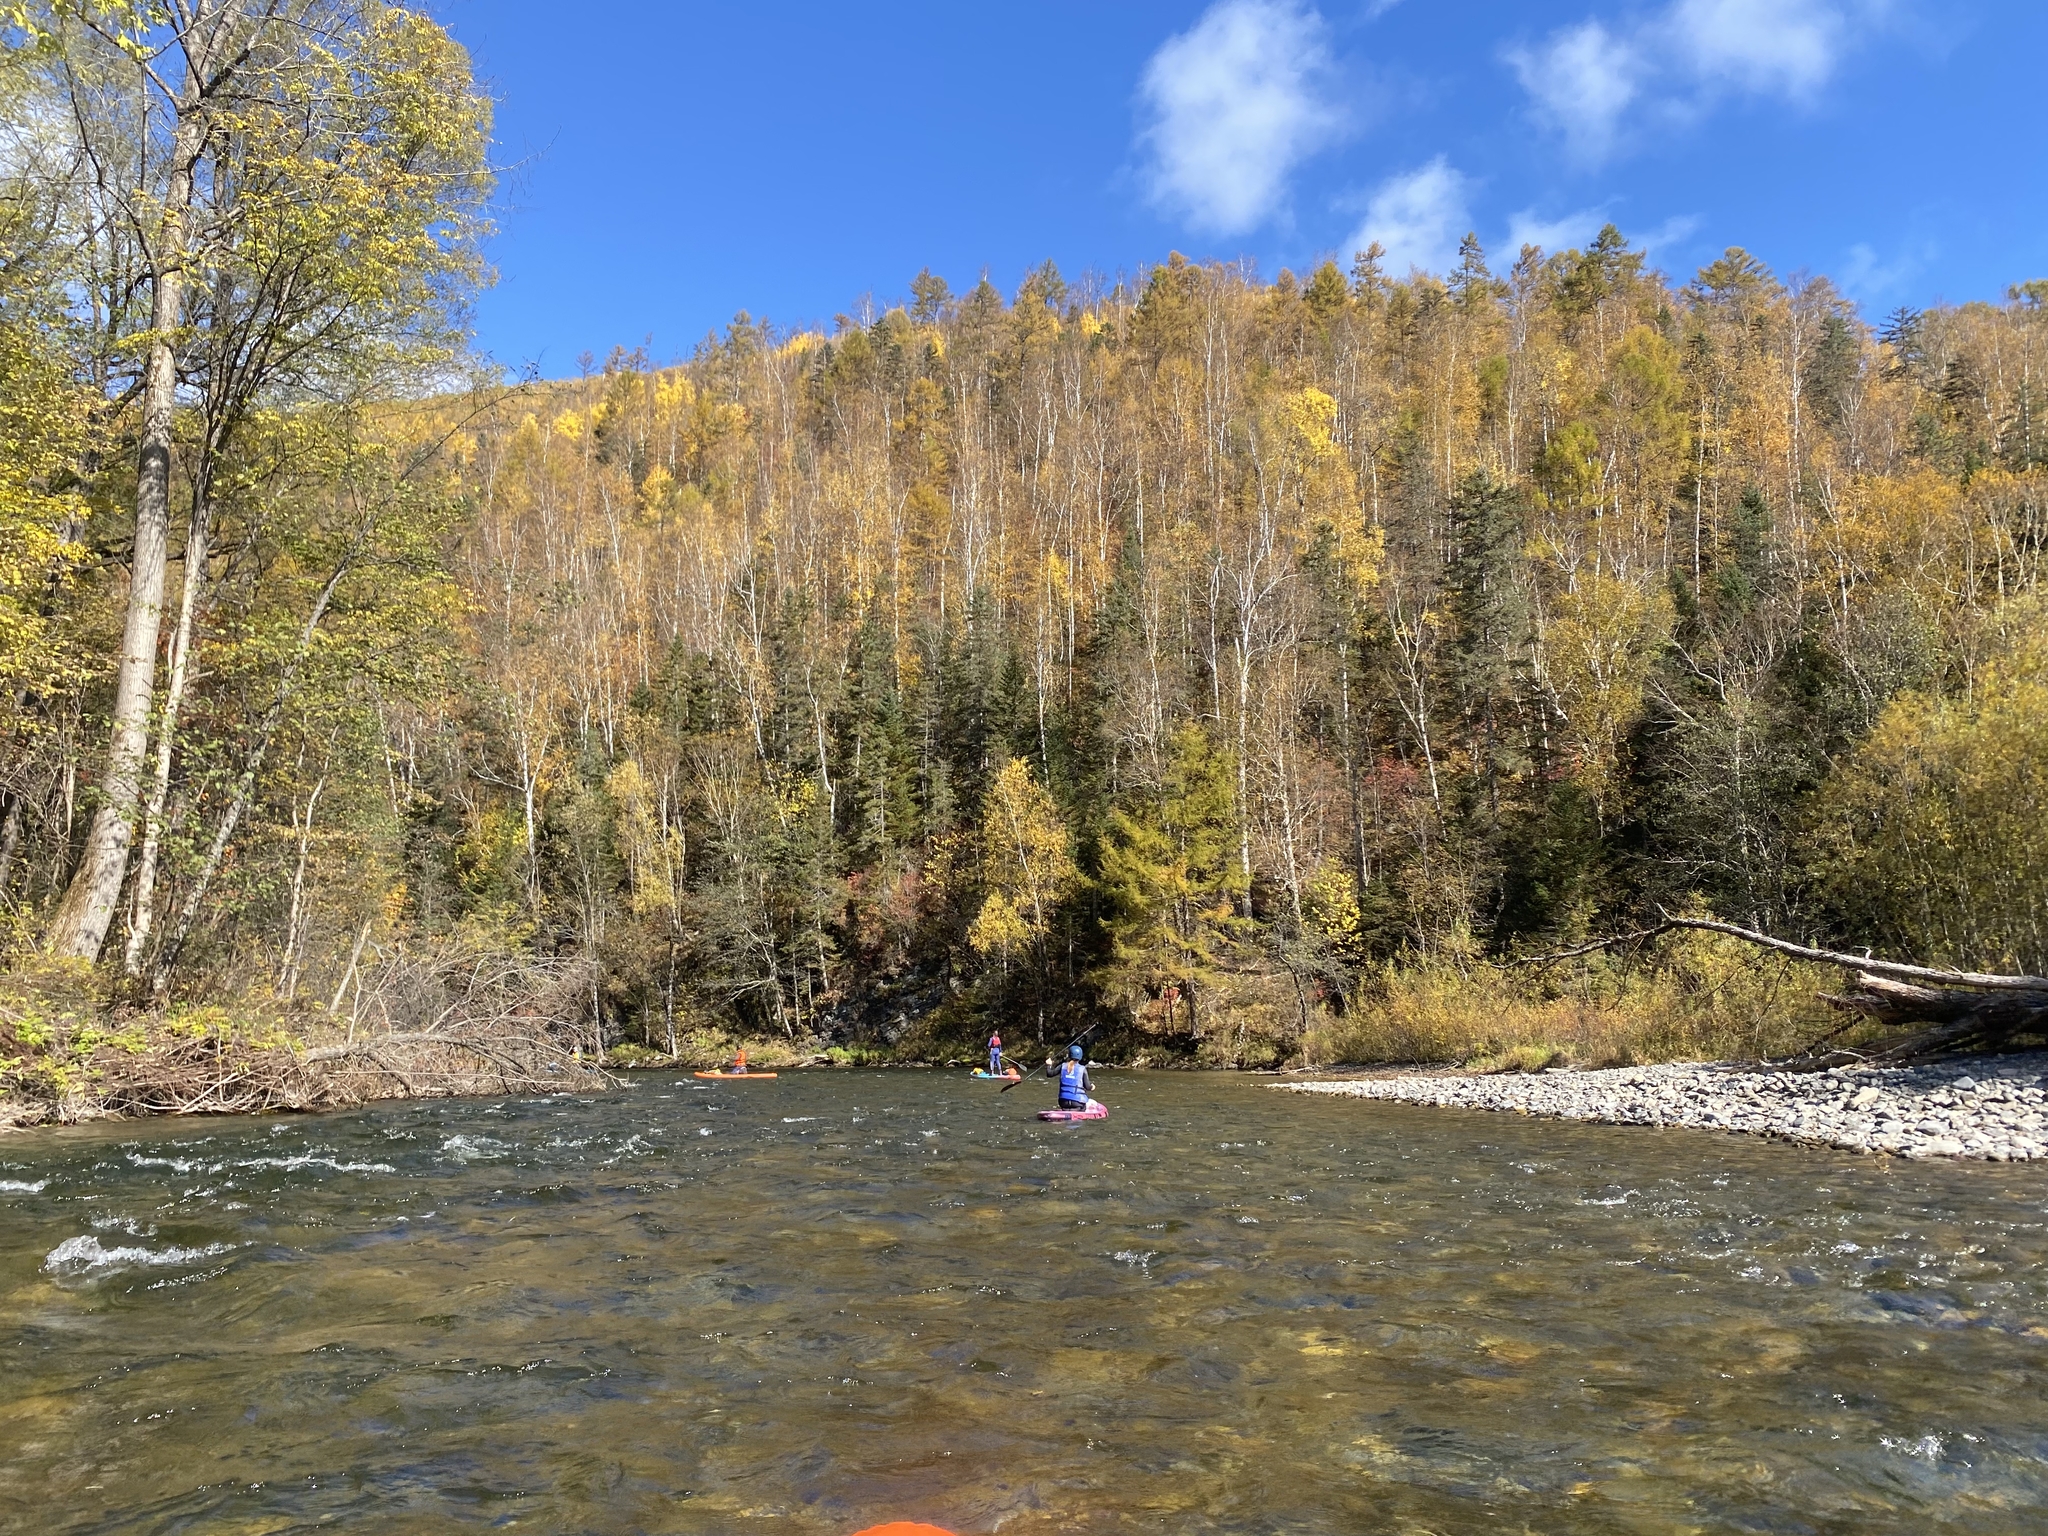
[[739, 1063], [1075, 1083], [995, 1054]]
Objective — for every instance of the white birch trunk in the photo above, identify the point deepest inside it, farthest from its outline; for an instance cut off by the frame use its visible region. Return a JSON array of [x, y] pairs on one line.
[[79, 927]]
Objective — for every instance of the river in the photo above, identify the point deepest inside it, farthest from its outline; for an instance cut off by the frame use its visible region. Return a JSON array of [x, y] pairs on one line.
[[807, 1305]]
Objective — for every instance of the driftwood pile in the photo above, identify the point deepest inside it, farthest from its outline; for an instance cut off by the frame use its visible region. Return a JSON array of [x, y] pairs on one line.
[[465, 1024], [1945, 1010], [431, 1026]]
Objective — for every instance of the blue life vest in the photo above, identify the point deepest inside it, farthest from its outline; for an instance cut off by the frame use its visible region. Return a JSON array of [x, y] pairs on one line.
[[1072, 1076]]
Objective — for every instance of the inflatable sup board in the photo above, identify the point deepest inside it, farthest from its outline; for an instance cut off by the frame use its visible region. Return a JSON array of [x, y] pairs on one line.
[[998, 1076], [1094, 1111], [724, 1077]]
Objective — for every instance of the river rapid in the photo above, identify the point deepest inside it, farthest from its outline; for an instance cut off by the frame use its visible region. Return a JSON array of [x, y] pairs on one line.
[[808, 1305]]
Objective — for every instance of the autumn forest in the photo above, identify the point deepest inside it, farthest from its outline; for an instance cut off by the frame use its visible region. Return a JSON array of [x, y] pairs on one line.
[[1262, 669]]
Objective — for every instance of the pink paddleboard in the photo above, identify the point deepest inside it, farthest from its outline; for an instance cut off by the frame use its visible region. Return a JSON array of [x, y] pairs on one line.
[[1094, 1111]]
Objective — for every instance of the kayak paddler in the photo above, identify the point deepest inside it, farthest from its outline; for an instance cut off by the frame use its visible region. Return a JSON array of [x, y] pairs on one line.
[[1075, 1083], [995, 1054]]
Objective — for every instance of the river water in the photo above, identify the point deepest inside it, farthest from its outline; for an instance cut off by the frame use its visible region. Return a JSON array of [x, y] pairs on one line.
[[807, 1305]]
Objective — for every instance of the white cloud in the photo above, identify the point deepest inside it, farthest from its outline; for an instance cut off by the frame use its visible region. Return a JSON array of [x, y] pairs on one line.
[[1868, 276], [1576, 230], [1418, 217], [1236, 103], [1585, 80], [1675, 230], [1582, 80], [1560, 234], [1781, 47]]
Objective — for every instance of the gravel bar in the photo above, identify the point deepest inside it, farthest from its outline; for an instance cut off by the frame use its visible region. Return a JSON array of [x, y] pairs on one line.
[[1991, 1108]]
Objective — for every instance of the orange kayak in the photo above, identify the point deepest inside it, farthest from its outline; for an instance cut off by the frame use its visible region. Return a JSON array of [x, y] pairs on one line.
[[740, 1076], [903, 1528]]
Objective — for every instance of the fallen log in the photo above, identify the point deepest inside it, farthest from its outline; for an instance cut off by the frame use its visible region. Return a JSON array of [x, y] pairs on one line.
[[1894, 969], [1956, 1009], [1900, 1002], [371, 1044], [518, 1063]]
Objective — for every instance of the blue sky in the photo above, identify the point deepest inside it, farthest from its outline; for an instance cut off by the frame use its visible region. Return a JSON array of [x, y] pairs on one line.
[[674, 163]]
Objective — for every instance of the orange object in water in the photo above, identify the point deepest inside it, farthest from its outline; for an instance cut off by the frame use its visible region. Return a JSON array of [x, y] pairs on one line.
[[903, 1528]]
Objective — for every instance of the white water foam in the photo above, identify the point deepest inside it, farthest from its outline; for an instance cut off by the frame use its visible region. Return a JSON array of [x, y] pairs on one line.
[[84, 1255], [300, 1160], [632, 1146], [465, 1148], [175, 1164], [308, 1160], [126, 1224], [18, 1187]]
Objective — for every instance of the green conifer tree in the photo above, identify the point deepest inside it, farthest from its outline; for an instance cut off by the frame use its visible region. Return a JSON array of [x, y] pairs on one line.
[[1170, 881]]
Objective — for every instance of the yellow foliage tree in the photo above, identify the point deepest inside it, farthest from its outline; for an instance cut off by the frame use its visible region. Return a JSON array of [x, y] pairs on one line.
[[41, 428], [1027, 863], [1599, 645], [1938, 825]]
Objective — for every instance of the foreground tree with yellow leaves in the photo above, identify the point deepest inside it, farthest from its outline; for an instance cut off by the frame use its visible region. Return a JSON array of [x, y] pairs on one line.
[[304, 223]]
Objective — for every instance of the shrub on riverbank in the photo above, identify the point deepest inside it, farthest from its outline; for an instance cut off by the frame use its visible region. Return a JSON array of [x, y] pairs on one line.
[[70, 1050], [1700, 997]]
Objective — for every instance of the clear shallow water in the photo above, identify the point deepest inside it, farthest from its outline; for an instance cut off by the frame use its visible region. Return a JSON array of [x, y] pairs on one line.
[[806, 1305]]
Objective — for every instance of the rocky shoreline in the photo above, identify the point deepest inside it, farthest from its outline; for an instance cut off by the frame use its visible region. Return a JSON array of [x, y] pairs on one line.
[[1990, 1108]]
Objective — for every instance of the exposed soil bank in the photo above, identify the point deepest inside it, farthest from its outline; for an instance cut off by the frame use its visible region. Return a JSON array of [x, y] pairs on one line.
[[1989, 1107]]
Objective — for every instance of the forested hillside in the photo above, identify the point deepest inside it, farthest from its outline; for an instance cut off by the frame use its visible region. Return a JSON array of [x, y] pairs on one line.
[[1200, 649], [1257, 666]]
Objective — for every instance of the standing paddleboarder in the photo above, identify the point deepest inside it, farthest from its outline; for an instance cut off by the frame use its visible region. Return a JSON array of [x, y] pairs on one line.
[[995, 1054]]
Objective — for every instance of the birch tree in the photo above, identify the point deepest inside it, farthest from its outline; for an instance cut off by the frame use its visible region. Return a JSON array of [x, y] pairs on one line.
[[306, 226]]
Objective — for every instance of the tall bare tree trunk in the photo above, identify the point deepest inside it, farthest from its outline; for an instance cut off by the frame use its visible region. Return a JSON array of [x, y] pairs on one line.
[[142, 899], [245, 787], [79, 928], [10, 841], [296, 918]]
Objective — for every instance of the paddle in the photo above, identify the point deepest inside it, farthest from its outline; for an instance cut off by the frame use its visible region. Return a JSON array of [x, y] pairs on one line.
[[1070, 1045]]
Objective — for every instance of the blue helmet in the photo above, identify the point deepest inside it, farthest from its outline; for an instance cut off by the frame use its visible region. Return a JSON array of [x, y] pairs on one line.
[[1075, 1052]]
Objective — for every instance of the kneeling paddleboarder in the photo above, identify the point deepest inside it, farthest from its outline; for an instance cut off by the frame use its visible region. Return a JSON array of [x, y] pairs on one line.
[[1075, 1083]]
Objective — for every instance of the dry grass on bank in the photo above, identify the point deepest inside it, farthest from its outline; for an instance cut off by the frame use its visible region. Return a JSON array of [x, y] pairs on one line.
[[1705, 998]]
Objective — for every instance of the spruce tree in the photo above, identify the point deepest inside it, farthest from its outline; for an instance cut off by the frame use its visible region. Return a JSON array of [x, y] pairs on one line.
[[1170, 879], [1486, 658]]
